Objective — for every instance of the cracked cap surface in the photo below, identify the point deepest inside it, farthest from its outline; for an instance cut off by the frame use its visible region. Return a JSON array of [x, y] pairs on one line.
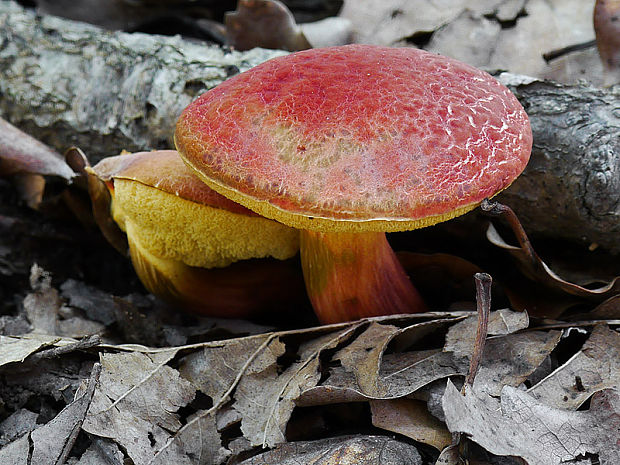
[[357, 138]]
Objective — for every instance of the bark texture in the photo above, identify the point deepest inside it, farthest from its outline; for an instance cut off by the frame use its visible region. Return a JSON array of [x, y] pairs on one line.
[[571, 186], [68, 83]]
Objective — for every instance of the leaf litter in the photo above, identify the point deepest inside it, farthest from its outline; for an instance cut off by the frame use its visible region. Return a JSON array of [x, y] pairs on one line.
[[219, 401]]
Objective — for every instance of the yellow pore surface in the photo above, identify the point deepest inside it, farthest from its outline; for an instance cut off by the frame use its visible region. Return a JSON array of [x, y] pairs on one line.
[[173, 228]]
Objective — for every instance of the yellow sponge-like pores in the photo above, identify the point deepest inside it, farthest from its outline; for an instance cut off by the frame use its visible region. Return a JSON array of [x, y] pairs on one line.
[[173, 228]]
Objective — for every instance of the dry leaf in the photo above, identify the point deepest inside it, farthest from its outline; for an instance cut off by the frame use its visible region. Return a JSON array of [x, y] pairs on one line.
[[16, 452], [21, 153], [20, 422], [197, 443], [511, 359], [521, 426], [101, 452], [16, 349], [136, 402], [508, 359], [537, 270], [410, 418], [351, 450], [53, 441], [595, 367], [263, 23], [215, 369], [460, 338], [367, 374], [266, 398]]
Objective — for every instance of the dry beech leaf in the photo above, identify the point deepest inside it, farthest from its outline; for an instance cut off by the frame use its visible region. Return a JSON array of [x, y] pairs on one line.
[[519, 425], [215, 369], [348, 450], [266, 398], [410, 418], [136, 402], [263, 23], [595, 367]]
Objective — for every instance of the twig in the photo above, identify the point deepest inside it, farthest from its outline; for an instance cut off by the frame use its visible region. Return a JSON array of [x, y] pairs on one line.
[[90, 392], [82, 344], [504, 211], [483, 304], [553, 54]]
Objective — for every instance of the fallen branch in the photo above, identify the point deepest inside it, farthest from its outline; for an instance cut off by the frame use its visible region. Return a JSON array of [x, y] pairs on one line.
[[69, 83]]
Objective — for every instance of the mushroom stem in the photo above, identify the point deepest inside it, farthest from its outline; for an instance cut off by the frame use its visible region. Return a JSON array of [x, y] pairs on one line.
[[355, 275]]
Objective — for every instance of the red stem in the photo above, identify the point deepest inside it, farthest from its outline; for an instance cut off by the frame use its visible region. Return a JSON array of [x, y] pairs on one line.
[[355, 275]]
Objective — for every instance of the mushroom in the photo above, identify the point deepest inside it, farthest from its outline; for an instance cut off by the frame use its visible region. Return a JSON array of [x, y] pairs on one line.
[[348, 143], [185, 239]]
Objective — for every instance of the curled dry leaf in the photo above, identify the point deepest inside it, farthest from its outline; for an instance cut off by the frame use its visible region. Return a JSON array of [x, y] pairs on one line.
[[594, 368], [533, 266], [366, 373], [53, 441], [410, 418], [519, 425], [263, 23], [21, 153]]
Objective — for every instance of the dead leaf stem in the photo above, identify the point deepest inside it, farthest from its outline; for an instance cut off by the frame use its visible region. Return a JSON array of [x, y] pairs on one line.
[[483, 304]]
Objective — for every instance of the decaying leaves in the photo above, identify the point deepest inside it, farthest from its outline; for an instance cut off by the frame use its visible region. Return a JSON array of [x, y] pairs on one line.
[[594, 368], [265, 398], [519, 425], [136, 402], [354, 450]]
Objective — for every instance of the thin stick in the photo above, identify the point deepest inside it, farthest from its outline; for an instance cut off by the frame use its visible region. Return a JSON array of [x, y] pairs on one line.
[[505, 212], [483, 304]]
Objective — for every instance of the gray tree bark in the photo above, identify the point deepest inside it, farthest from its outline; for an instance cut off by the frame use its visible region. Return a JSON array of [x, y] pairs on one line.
[[571, 186], [68, 83]]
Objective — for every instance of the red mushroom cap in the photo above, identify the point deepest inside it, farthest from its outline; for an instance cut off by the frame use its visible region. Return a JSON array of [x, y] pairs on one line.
[[357, 138]]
